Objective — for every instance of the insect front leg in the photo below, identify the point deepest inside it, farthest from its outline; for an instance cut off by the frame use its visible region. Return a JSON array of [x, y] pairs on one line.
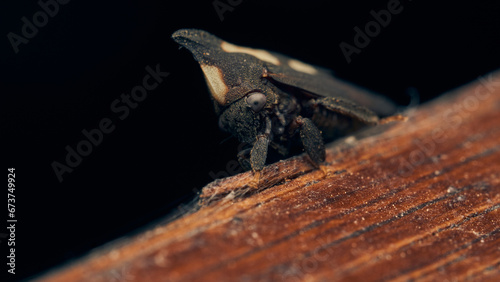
[[258, 154], [311, 140], [255, 158]]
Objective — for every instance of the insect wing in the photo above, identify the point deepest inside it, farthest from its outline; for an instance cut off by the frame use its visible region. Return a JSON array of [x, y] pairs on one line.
[[320, 83]]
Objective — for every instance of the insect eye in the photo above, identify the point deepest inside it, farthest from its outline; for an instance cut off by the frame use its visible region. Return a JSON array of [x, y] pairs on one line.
[[256, 101]]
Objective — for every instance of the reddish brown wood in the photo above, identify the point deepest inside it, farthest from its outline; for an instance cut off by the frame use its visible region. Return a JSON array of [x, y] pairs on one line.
[[412, 200]]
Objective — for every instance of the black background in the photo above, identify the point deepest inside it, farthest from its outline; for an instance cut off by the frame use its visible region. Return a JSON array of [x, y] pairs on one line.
[[66, 77]]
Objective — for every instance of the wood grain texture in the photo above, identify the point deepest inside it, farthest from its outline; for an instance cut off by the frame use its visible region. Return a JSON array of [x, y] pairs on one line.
[[416, 200]]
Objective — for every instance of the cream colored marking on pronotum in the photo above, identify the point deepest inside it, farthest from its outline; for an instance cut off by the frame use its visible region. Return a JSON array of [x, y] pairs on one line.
[[302, 67], [258, 53], [215, 82]]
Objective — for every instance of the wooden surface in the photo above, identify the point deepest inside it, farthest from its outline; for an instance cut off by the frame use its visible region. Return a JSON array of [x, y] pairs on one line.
[[417, 200]]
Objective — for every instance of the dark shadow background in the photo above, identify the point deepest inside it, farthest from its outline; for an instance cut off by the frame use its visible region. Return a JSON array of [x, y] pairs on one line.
[[66, 77]]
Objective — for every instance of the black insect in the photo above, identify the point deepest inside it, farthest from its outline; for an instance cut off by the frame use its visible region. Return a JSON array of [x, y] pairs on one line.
[[268, 99]]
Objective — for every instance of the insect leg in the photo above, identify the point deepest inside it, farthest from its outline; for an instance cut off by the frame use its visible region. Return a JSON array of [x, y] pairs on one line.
[[311, 140], [347, 108], [258, 154]]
